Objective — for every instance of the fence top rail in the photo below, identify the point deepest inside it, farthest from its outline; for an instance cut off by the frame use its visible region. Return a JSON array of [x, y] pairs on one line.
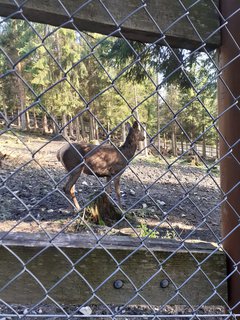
[[190, 24], [86, 241]]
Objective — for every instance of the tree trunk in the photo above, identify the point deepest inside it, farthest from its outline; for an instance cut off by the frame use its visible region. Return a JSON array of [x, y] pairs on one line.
[[77, 129], [27, 120], [71, 131], [64, 122], [44, 123], [217, 148], [145, 141], [92, 81], [35, 122], [5, 113], [84, 134], [19, 120], [54, 127], [174, 140], [158, 116], [21, 105], [204, 147], [96, 131], [91, 129], [140, 143], [164, 142], [182, 146], [21, 97], [204, 154], [18, 88]]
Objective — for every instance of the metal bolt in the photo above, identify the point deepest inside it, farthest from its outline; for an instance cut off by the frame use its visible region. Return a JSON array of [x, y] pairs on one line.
[[118, 284], [164, 283]]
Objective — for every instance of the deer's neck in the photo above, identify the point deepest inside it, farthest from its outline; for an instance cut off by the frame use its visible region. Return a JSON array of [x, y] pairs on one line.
[[129, 147]]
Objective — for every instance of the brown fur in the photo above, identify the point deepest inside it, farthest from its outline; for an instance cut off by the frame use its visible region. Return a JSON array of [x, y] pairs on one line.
[[102, 161], [2, 157]]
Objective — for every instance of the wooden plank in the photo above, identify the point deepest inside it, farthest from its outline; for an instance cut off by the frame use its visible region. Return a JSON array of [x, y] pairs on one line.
[[69, 261], [170, 16], [87, 241]]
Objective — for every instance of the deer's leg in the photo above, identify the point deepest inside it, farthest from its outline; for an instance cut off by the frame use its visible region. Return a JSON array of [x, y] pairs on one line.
[[108, 188], [117, 189], [69, 187]]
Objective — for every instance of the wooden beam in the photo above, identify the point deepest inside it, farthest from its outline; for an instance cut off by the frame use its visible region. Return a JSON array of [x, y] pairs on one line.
[[68, 268], [170, 16]]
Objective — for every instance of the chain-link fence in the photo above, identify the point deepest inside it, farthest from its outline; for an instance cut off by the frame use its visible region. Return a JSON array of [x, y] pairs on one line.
[[99, 94]]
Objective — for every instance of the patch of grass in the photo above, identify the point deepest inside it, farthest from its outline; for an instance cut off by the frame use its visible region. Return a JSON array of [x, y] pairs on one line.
[[216, 170], [151, 159], [170, 234], [147, 232], [24, 134]]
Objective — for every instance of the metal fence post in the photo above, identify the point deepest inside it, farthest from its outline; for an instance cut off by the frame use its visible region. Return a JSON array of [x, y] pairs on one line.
[[228, 96]]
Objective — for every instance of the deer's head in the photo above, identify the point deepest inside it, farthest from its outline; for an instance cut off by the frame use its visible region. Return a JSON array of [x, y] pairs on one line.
[[134, 131]]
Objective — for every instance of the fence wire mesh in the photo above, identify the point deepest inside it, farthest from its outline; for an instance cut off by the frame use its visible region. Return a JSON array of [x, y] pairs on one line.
[[114, 107]]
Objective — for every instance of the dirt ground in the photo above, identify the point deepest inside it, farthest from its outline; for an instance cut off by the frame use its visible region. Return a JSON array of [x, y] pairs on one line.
[[162, 199], [123, 314]]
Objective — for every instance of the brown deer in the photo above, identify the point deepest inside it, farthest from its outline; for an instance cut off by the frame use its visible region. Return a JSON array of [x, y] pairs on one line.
[[103, 161], [2, 157]]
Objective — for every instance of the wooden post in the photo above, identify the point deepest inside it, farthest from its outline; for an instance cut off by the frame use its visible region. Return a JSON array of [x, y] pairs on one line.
[[228, 99]]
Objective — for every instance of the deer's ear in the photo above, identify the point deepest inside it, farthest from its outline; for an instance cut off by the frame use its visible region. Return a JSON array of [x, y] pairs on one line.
[[127, 126], [135, 125]]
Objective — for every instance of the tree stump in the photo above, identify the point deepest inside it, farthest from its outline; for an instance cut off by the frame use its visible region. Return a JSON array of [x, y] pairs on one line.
[[103, 211]]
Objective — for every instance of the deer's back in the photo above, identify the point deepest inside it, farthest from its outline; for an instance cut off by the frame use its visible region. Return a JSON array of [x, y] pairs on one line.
[[71, 155], [104, 160]]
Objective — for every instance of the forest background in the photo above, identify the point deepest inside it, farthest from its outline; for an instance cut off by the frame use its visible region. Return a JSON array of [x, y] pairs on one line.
[[86, 86]]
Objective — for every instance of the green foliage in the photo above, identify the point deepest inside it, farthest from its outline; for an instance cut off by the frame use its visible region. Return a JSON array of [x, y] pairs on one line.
[[174, 64], [110, 78], [146, 232], [170, 234]]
